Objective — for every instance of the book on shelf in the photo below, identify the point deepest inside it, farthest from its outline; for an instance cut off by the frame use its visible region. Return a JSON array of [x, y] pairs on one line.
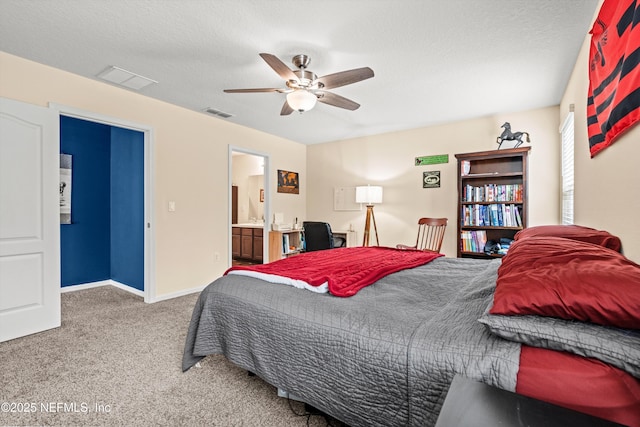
[[473, 240], [492, 215], [507, 215], [492, 193], [518, 217]]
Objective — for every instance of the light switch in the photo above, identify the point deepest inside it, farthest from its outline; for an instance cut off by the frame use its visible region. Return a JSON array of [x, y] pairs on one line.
[[172, 206]]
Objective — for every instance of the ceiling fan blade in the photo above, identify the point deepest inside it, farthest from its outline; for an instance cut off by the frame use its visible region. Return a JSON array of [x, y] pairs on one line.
[[279, 67], [286, 109], [342, 78], [337, 100], [266, 89]]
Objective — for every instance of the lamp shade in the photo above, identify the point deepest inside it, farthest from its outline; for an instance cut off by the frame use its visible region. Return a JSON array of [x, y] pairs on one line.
[[301, 100], [369, 194]]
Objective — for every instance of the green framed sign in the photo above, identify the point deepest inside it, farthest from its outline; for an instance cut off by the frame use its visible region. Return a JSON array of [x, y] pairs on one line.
[[432, 160]]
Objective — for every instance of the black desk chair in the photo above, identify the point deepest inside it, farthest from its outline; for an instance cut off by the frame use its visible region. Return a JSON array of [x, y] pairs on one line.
[[317, 236]]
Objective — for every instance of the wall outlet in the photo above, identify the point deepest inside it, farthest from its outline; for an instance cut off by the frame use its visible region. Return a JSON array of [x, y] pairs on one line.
[[216, 256], [172, 206]]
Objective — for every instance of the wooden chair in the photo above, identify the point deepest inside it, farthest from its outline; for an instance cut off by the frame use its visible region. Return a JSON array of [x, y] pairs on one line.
[[430, 235]]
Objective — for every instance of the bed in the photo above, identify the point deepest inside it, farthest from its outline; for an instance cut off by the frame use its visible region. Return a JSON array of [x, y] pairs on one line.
[[387, 354]]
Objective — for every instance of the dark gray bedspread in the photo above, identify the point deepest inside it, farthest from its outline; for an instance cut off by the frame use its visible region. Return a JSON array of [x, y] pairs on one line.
[[385, 356]]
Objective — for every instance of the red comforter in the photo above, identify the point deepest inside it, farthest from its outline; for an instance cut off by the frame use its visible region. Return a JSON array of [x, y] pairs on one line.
[[345, 270]]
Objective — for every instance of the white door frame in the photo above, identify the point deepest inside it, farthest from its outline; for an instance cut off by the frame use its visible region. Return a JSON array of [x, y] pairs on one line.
[[267, 199], [149, 233]]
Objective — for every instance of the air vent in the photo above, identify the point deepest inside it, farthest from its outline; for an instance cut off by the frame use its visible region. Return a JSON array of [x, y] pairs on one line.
[[125, 78], [218, 113]]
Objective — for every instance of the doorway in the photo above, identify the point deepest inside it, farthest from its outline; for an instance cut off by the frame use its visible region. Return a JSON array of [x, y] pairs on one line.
[[249, 207], [129, 203], [105, 239]]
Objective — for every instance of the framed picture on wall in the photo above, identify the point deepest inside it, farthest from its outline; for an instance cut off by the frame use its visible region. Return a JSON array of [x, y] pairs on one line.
[[65, 188], [262, 194], [431, 179], [288, 182]]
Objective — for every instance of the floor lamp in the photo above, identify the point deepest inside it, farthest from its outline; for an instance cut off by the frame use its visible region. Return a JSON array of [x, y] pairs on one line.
[[369, 195]]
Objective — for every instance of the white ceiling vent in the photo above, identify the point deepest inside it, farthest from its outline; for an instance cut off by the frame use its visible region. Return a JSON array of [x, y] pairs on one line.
[[125, 78], [217, 113]]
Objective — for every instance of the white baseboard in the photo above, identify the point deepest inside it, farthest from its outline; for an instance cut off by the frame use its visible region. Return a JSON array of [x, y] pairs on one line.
[[83, 286], [178, 294], [127, 288]]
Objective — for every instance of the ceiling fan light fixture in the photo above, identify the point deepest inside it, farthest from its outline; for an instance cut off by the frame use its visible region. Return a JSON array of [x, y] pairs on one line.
[[301, 100], [304, 88]]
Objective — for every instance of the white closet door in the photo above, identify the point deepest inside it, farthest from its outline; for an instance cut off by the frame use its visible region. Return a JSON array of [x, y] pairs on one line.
[[29, 219]]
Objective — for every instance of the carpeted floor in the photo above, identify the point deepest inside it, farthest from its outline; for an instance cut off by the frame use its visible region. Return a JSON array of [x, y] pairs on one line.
[[116, 361]]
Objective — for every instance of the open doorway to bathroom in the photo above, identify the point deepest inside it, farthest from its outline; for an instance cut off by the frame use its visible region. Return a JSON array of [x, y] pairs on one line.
[[249, 201]]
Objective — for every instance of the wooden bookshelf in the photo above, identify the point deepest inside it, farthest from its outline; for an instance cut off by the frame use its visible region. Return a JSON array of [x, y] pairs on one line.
[[277, 249], [283, 244], [492, 198]]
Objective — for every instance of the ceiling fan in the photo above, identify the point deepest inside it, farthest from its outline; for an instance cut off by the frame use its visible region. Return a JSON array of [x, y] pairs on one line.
[[304, 88]]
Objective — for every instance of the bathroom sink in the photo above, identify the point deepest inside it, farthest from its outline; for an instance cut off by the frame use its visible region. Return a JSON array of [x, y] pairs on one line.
[[249, 225]]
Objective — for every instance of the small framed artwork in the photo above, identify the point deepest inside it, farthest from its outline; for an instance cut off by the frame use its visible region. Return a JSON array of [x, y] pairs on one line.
[[431, 179], [288, 182], [262, 195], [65, 188]]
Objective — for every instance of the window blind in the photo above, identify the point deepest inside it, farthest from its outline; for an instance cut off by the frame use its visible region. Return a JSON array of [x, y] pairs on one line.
[[567, 170]]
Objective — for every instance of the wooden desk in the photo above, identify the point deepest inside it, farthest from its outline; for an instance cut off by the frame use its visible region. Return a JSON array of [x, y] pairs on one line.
[[473, 404], [350, 237]]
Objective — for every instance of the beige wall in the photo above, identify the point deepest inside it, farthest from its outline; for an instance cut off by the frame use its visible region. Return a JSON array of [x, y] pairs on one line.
[[190, 152], [388, 160], [606, 187]]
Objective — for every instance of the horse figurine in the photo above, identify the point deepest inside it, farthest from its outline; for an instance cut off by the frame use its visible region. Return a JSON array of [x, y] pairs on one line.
[[507, 135]]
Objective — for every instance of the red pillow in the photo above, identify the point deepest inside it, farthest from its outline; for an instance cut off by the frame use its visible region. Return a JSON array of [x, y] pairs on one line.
[[574, 232], [570, 279]]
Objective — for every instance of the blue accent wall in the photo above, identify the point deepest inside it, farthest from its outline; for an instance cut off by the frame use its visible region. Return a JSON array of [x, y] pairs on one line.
[[127, 207], [105, 239], [85, 243]]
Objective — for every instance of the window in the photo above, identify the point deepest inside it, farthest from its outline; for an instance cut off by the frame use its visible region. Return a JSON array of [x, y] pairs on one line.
[[567, 170]]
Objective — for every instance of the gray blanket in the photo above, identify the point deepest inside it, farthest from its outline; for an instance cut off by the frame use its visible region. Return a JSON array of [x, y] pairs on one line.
[[385, 356]]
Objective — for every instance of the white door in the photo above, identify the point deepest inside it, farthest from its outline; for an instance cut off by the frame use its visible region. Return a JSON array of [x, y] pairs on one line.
[[29, 219]]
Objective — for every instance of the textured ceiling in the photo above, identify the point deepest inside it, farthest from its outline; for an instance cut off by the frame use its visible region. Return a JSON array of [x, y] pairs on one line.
[[434, 61]]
